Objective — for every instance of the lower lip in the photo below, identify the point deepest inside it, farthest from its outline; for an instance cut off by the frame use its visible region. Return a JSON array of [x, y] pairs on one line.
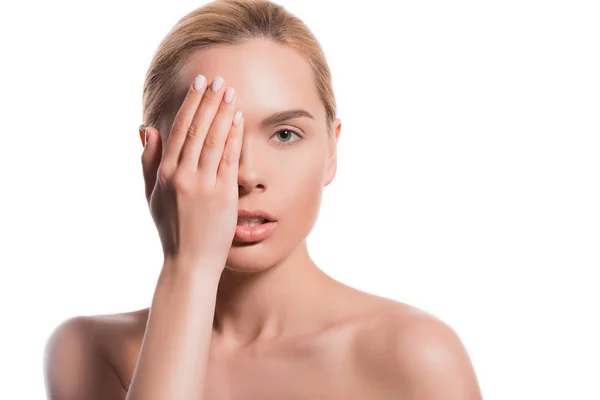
[[248, 234]]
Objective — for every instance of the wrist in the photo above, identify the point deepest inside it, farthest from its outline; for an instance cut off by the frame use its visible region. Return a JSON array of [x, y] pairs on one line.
[[207, 267]]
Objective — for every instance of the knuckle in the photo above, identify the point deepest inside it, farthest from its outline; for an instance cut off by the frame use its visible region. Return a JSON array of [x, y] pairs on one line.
[[211, 141], [178, 125], [193, 129], [182, 183], [228, 157], [163, 176]]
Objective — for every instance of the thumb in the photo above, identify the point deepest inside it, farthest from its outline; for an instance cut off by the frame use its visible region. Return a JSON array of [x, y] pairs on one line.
[[151, 157]]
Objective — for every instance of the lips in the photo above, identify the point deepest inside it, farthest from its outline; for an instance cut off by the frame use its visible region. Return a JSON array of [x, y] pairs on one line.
[[255, 215], [254, 226]]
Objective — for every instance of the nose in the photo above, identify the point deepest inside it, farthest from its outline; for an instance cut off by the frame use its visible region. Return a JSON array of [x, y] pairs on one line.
[[249, 177]]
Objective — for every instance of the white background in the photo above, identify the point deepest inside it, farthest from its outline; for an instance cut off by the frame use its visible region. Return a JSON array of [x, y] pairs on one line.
[[468, 181]]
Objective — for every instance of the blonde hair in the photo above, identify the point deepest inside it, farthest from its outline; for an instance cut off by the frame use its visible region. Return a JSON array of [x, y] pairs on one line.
[[231, 22]]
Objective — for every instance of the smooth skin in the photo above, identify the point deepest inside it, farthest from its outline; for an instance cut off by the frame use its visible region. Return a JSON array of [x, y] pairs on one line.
[[230, 321]]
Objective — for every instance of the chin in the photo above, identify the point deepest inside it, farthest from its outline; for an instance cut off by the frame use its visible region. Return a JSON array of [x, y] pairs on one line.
[[260, 256], [250, 257], [271, 251]]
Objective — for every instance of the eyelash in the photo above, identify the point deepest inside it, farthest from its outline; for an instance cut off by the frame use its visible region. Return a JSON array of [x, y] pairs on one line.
[[289, 144]]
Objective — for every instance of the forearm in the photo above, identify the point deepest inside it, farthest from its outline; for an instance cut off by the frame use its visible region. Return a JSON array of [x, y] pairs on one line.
[[174, 353]]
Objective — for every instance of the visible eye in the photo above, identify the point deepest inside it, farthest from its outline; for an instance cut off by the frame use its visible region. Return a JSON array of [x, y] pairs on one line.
[[286, 135]]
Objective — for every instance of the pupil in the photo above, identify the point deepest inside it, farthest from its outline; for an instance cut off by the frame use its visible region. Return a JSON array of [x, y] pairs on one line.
[[286, 132]]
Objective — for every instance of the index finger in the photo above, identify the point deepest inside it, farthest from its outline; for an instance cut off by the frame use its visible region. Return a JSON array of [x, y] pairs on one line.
[[182, 122]]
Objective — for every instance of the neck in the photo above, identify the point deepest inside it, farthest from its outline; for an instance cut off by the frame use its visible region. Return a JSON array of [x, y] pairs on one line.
[[277, 302]]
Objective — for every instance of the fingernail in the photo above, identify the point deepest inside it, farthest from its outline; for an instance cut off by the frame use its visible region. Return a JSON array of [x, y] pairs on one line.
[[237, 118], [229, 95], [216, 84], [199, 82]]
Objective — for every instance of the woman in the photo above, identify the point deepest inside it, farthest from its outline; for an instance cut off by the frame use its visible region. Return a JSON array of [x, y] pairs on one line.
[[240, 139]]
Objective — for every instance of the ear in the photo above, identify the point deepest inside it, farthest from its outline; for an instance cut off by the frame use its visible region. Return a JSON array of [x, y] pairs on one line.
[[142, 135], [332, 154]]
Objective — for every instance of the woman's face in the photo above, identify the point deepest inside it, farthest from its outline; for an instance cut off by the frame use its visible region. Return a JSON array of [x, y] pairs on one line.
[[284, 166]]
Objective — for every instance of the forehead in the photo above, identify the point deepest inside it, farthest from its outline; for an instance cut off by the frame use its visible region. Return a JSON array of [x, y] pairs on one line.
[[267, 76]]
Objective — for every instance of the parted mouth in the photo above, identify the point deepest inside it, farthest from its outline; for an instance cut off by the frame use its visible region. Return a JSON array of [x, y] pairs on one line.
[[252, 222], [254, 216]]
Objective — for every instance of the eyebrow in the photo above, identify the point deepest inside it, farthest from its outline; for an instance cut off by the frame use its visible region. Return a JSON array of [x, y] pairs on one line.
[[281, 116]]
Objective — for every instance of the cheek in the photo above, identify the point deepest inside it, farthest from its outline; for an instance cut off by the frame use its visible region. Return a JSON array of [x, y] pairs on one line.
[[301, 188]]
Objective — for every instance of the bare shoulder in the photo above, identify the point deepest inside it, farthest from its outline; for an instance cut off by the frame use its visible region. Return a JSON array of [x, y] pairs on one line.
[[83, 355], [411, 352]]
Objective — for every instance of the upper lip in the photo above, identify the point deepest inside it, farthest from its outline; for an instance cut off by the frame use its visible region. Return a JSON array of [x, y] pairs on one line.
[[249, 214]]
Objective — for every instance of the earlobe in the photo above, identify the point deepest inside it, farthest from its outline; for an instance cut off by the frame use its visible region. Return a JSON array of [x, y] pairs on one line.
[[331, 170]]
